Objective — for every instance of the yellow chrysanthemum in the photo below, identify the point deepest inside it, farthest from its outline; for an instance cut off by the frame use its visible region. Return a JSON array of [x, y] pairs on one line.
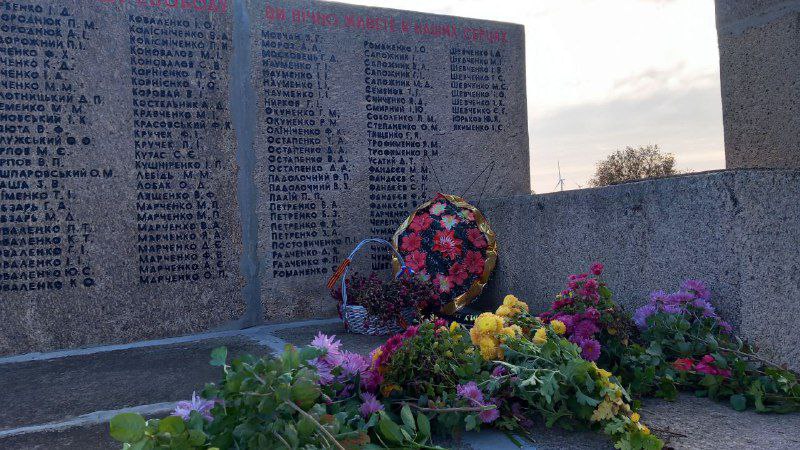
[[514, 305], [645, 430], [504, 311], [510, 300], [540, 337], [489, 350], [377, 354], [488, 323], [475, 335], [485, 341], [558, 326], [635, 417], [604, 374], [453, 327]]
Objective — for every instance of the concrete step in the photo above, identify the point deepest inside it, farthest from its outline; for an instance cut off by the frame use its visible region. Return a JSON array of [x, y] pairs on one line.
[[64, 399]]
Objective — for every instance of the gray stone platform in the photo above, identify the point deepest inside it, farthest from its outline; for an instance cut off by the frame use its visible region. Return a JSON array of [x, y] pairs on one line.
[[65, 399]]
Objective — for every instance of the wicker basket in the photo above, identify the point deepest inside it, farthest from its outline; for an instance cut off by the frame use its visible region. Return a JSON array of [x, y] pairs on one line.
[[356, 318]]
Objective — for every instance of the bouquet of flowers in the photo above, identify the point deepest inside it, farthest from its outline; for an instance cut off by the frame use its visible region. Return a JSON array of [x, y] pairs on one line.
[[690, 347], [540, 372], [602, 330]]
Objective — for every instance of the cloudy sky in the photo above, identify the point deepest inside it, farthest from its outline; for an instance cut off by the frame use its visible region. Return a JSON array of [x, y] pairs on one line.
[[604, 74]]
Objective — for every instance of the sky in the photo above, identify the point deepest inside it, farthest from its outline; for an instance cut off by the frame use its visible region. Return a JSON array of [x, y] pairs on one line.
[[606, 74]]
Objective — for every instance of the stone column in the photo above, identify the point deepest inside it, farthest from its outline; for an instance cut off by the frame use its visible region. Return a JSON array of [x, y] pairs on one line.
[[759, 46]]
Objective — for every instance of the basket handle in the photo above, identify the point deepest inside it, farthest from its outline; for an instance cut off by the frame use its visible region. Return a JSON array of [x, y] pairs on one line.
[[341, 272]]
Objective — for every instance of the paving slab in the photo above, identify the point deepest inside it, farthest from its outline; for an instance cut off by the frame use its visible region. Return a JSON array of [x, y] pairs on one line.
[[93, 437], [39, 392]]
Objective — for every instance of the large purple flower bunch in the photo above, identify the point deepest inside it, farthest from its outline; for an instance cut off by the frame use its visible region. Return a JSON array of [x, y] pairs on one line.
[[691, 301]]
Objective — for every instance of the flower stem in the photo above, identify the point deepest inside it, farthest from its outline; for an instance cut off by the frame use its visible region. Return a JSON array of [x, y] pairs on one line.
[[319, 425]]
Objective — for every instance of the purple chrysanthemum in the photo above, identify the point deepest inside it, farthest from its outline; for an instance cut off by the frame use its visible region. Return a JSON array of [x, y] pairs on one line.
[[499, 371], [671, 308], [353, 363], [590, 349], [585, 329], [183, 409], [725, 327], [327, 343], [708, 310], [697, 287], [470, 391], [324, 370], [489, 415], [642, 313], [658, 297], [370, 405]]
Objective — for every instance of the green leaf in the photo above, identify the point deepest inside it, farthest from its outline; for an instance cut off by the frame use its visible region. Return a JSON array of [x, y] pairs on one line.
[[305, 428], [127, 427], [218, 356], [424, 425], [197, 438], [389, 429], [654, 349], [549, 386], [308, 353], [173, 425], [470, 422], [739, 402], [584, 399], [305, 393], [408, 418], [144, 444], [290, 357]]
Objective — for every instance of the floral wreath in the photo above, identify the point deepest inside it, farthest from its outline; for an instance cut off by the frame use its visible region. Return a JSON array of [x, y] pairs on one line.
[[449, 242]]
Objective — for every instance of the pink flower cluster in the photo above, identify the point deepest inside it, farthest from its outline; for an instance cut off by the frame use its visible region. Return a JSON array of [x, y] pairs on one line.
[[381, 356], [340, 366], [706, 365], [472, 393], [582, 321]]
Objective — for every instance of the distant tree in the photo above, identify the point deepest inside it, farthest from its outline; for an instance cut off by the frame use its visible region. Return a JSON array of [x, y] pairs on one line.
[[634, 164]]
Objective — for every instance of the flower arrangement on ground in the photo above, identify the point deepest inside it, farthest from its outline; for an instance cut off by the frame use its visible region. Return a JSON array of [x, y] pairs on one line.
[[689, 347], [539, 371], [432, 377], [509, 369]]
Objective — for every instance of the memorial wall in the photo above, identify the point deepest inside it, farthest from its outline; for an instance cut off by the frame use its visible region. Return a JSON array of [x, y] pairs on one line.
[[178, 166]]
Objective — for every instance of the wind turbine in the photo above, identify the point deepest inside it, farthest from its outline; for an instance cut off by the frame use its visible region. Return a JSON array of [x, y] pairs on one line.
[[560, 179]]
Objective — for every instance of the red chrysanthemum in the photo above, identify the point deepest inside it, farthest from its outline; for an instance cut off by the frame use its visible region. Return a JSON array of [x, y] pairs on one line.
[[447, 243], [474, 262], [683, 364], [416, 261], [421, 222], [458, 273], [411, 242], [477, 238]]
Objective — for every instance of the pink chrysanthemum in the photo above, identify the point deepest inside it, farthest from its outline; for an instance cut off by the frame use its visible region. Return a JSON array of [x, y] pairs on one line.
[[370, 405], [183, 409], [327, 343], [470, 391]]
